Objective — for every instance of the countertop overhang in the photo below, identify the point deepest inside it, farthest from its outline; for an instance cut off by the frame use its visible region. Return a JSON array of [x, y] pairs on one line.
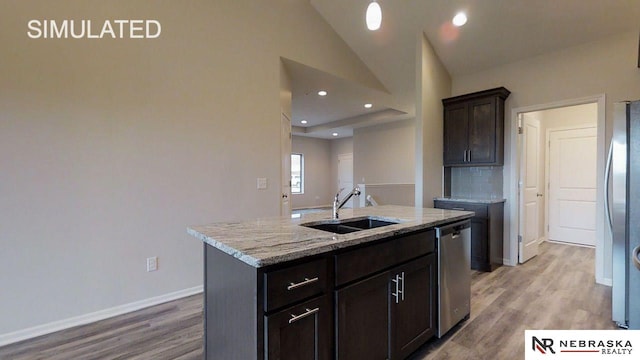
[[269, 241], [472, 200]]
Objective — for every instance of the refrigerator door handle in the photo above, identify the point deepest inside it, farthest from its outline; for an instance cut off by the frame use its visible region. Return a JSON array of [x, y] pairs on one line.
[[607, 172], [635, 254]]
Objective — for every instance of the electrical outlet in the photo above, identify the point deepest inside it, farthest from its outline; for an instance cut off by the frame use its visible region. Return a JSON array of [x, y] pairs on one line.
[[152, 264]]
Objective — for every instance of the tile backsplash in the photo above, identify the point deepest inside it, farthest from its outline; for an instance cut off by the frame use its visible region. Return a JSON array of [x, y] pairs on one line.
[[482, 182]]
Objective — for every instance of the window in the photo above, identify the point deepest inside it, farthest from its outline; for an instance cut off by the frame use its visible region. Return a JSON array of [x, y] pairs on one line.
[[297, 174]]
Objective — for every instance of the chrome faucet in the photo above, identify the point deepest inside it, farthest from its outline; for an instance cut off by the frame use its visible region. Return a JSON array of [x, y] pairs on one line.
[[338, 204]]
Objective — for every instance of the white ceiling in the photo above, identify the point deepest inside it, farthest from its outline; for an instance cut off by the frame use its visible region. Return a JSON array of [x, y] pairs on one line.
[[498, 32], [341, 110]]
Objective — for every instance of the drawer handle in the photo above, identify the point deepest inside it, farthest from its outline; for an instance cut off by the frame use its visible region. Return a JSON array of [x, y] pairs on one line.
[[461, 209], [399, 294], [307, 312], [306, 281]]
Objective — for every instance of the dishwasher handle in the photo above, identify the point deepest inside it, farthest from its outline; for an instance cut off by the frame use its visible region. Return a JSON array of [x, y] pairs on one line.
[[454, 229]]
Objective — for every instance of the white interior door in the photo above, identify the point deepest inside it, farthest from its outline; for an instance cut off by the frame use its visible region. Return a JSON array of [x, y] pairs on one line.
[[572, 185], [530, 190], [285, 168], [345, 176]]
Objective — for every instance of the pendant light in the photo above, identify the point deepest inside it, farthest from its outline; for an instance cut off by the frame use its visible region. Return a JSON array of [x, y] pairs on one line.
[[374, 16]]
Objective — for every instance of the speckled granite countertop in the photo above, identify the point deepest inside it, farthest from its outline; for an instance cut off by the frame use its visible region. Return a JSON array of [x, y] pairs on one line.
[[270, 241], [469, 200]]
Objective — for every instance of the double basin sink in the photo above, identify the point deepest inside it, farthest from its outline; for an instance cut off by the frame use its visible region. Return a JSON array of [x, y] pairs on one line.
[[346, 226]]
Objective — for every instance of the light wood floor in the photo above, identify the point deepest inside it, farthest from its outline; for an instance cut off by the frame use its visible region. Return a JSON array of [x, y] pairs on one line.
[[555, 290]]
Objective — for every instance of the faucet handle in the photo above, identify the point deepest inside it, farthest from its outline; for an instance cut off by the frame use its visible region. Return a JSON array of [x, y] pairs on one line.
[[338, 193]]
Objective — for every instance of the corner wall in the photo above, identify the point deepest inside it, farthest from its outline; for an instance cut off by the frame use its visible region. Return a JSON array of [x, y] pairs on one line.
[[110, 148], [434, 85]]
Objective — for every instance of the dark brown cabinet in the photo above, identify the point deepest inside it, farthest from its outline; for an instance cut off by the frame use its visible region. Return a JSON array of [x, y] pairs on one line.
[[486, 231], [397, 307], [474, 128], [300, 332], [362, 314], [413, 312]]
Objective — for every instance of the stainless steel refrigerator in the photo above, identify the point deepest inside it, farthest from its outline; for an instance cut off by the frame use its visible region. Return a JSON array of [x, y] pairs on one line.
[[623, 211]]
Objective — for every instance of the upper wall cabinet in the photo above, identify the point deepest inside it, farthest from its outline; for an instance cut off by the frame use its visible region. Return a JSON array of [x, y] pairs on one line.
[[474, 128]]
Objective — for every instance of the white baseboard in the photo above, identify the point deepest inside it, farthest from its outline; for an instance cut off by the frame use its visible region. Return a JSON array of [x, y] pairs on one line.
[[52, 327]]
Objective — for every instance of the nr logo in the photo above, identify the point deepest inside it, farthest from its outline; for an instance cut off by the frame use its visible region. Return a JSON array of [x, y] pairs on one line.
[[542, 345]]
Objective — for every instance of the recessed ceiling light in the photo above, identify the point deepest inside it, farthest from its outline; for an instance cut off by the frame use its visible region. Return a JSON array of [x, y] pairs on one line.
[[322, 93], [334, 134], [303, 121], [373, 16], [460, 19], [368, 106]]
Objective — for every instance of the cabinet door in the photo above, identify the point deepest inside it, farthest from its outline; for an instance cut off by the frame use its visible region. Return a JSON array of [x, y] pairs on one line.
[[455, 134], [479, 244], [413, 316], [482, 131], [300, 332], [362, 316]]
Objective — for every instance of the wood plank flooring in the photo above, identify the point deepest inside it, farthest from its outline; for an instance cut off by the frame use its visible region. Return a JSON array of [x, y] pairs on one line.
[[168, 331], [555, 290]]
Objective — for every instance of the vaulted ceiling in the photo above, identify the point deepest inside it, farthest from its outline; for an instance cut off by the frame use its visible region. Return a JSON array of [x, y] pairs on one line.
[[497, 32]]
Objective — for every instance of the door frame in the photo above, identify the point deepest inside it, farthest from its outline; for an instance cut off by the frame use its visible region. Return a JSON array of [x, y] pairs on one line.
[[511, 181], [285, 165]]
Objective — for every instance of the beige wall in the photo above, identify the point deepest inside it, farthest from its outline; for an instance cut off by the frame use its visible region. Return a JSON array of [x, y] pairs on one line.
[[109, 148], [384, 154], [608, 66], [434, 85], [317, 172]]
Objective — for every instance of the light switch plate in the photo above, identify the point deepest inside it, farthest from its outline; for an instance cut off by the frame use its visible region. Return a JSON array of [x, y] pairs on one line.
[[152, 263], [262, 183]]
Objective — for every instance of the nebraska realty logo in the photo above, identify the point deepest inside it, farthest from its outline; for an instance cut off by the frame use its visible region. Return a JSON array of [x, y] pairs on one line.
[[581, 344]]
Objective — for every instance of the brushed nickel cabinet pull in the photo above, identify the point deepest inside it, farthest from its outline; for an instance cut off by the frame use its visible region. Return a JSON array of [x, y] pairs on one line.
[[402, 291], [307, 312], [306, 281], [636, 257]]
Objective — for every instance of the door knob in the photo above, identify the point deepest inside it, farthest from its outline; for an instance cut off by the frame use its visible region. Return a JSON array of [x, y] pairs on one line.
[[284, 196]]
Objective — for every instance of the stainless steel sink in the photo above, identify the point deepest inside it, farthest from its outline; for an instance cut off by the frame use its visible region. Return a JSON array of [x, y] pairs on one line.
[[346, 226]]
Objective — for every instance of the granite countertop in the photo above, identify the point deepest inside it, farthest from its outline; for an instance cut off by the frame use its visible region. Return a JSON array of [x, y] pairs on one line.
[[269, 241], [472, 200]]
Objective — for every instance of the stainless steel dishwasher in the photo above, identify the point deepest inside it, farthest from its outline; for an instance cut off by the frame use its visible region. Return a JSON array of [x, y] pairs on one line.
[[454, 274]]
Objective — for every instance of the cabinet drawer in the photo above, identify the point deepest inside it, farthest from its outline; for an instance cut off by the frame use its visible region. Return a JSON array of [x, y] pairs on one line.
[[481, 210], [288, 285], [358, 263]]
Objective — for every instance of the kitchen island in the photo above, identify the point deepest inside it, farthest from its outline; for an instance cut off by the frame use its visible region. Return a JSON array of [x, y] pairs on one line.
[[277, 288]]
